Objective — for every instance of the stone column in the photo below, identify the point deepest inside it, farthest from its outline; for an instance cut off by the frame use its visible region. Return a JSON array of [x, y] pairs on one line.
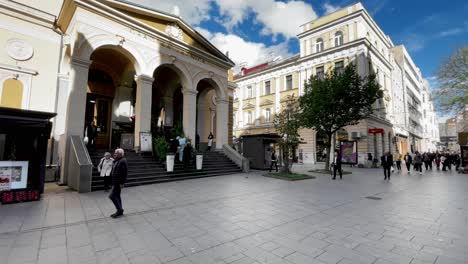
[[190, 113], [143, 103], [169, 111], [75, 110], [222, 111]]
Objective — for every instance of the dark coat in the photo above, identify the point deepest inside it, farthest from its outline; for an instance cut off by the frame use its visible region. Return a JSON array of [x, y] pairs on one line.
[[408, 159], [119, 171], [338, 160], [386, 161]]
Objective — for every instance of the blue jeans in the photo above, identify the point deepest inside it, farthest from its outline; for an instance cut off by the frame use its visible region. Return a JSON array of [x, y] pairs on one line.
[[181, 152]]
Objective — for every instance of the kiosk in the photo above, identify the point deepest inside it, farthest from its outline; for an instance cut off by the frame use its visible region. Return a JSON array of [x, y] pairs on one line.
[[24, 136]]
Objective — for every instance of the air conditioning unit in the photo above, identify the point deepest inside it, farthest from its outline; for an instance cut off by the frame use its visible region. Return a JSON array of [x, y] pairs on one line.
[[356, 134]]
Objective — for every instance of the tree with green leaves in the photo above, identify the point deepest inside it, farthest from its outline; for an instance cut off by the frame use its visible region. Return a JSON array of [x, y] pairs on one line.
[[336, 100], [287, 126], [452, 76]]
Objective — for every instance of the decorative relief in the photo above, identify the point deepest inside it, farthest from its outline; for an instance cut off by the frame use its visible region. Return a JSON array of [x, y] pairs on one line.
[[19, 49], [174, 31]]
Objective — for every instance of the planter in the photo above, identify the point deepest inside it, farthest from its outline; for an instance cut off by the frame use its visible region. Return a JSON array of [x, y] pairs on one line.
[[199, 162], [170, 163]]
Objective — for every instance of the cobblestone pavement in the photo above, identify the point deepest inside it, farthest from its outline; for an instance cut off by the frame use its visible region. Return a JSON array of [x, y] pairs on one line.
[[247, 219]]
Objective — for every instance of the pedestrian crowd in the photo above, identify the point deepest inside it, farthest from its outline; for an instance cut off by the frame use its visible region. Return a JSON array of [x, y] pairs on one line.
[[442, 161]]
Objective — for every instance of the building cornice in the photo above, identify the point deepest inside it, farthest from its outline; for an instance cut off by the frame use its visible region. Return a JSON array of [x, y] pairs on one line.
[[27, 13], [348, 45], [128, 21], [359, 13]]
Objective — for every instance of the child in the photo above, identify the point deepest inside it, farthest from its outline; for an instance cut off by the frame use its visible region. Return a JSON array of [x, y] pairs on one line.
[[437, 161]]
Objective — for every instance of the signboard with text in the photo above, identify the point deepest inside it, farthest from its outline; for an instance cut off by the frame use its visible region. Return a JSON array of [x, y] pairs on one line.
[[375, 131], [18, 196]]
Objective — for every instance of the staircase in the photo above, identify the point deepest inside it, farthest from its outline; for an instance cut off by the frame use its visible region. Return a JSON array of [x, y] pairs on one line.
[[143, 169]]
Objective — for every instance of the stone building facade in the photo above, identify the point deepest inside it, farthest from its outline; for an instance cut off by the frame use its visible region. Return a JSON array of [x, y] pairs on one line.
[[122, 67], [328, 43]]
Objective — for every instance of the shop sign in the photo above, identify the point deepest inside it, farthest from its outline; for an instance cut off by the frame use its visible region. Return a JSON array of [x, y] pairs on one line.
[[375, 131], [13, 175], [18, 196]]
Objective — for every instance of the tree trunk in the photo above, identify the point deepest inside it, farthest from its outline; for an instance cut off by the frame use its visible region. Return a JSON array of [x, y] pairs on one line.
[[285, 167], [328, 146]]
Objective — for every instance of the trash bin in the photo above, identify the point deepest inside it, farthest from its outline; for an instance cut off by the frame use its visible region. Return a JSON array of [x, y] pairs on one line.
[[199, 162], [170, 163]]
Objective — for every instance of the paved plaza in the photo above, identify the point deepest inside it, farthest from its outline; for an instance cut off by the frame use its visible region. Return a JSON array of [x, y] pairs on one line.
[[249, 219]]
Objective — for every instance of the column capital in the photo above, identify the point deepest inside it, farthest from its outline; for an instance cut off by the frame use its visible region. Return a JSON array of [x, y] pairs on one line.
[[221, 101], [76, 61], [189, 92], [144, 78]]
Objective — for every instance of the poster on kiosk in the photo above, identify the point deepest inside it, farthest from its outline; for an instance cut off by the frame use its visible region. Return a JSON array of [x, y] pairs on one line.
[[13, 175]]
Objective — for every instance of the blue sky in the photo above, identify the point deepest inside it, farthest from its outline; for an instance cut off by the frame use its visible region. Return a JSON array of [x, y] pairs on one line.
[[252, 30]]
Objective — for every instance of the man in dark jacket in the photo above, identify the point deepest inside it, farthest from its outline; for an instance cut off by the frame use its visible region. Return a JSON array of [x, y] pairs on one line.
[[387, 163], [337, 165], [119, 177], [408, 160]]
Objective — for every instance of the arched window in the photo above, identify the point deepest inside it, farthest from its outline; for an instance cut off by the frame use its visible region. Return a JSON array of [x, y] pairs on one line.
[[338, 38], [12, 94], [319, 45]]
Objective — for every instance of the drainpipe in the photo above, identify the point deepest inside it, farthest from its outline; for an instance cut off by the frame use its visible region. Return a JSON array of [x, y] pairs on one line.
[[52, 144]]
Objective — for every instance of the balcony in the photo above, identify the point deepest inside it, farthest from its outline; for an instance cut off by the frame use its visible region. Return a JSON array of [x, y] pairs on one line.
[[414, 112]]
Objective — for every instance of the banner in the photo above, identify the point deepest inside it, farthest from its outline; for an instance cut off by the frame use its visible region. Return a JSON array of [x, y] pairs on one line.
[[348, 150]]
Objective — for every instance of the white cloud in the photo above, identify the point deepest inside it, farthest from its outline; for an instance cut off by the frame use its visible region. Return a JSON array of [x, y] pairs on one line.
[[205, 33], [329, 8], [277, 17], [193, 11], [242, 51], [450, 32]]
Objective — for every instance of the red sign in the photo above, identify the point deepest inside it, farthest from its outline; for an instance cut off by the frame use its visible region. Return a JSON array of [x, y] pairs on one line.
[[18, 196], [375, 131]]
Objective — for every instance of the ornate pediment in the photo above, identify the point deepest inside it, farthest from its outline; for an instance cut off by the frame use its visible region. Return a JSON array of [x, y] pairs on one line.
[[266, 102], [248, 106], [173, 30]]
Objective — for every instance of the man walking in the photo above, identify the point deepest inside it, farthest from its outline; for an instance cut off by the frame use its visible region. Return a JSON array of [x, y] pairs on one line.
[[387, 163], [119, 177], [337, 165], [408, 161]]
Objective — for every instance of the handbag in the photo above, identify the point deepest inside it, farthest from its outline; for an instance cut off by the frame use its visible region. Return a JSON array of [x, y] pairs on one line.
[[86, 140]]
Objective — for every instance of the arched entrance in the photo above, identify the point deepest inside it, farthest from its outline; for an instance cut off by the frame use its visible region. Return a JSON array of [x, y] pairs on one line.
[[212, 113], [167, 102], [206, 113], [110, 100]]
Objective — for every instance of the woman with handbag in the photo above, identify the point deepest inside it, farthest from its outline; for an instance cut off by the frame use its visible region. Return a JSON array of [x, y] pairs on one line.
[[105, 168]]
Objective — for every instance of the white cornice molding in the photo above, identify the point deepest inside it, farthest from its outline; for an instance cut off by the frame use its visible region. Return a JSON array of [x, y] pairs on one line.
[[359, 13], [17, 69], [27, 13]]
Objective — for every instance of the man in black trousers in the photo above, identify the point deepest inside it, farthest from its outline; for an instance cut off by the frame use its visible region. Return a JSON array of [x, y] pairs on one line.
[[387, 163], [337, 165], [119, 177]]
